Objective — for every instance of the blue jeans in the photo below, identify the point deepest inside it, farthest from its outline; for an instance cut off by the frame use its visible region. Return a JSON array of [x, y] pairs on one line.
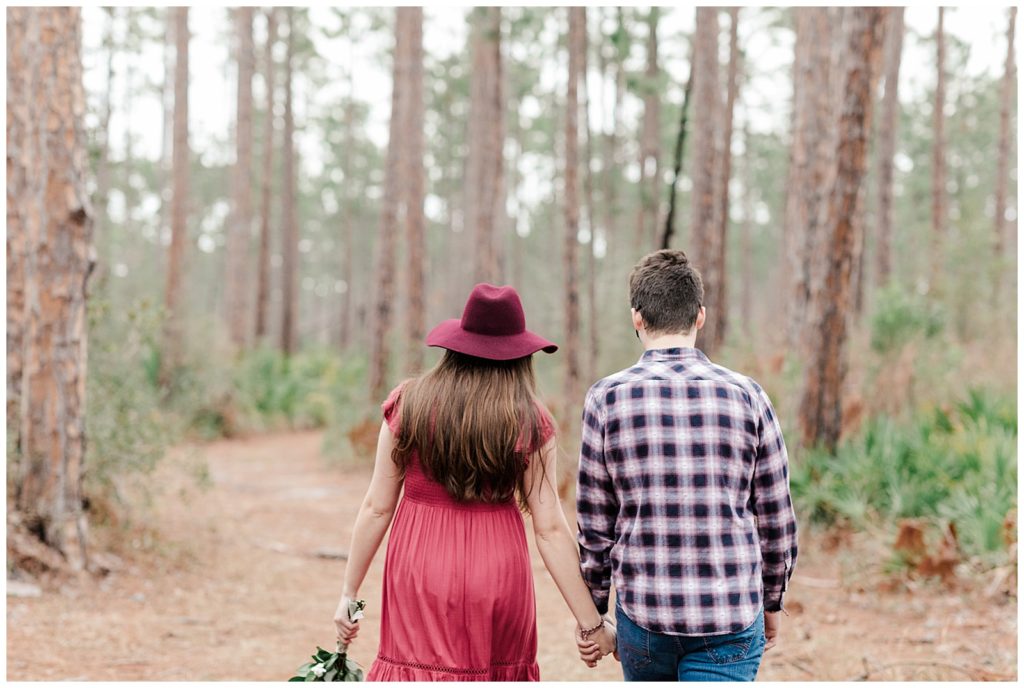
[[648, 656]]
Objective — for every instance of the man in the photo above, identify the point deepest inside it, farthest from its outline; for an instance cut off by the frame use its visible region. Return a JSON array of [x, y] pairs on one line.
[[683, 496]]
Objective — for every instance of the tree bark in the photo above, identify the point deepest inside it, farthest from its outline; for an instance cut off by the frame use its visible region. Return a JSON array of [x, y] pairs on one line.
[[263, 260], [21, 162], [588, 203], [289, 219], [746, 254], [577, 44], [938, 152], [650, 144], [821, 400], [485, 197], [414, 185], [347, 228], [384, 277], [236, 291], [1002, 235], [58, 259], [887, 145], [813, 145], [173, 307], [705, 224], [666, 237], [722, 319]]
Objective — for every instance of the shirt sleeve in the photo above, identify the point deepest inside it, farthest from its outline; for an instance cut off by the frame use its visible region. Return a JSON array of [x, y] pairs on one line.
[[391, 408], [596, 504], [773, 506]]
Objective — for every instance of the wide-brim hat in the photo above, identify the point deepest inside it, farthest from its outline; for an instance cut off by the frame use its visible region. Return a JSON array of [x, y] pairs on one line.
[[492, 326]]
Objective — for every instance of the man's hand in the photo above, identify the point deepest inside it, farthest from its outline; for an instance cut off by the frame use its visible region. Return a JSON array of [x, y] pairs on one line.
[[772, 620]]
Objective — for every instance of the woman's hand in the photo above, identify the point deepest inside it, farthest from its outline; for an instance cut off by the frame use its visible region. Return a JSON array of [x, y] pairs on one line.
[[347, 629], [597, 645]]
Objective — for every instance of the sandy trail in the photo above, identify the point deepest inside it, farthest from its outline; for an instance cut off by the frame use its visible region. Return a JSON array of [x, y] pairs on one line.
[[225, 585]]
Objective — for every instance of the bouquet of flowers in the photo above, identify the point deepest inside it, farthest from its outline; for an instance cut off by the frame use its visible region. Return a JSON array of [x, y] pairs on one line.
[[333, 666]]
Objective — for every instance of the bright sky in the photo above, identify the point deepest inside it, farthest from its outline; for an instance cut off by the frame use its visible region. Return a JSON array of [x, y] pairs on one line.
[[212, 87]]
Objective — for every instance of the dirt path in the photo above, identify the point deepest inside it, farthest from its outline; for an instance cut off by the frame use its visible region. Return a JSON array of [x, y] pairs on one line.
[[227, 586]]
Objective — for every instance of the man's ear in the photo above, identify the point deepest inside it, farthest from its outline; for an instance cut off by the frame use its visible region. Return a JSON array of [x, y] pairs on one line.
[[701, 317], [638, 320]]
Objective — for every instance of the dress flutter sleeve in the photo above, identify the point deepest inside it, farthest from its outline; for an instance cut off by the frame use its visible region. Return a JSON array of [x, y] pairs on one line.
[[392, 408]]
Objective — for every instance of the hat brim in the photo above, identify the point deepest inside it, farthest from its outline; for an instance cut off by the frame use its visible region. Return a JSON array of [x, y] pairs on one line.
[[450, 335]]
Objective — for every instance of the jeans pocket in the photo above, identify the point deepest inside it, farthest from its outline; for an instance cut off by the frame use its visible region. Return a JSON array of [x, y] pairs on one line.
[[632, 642], [727, 649]]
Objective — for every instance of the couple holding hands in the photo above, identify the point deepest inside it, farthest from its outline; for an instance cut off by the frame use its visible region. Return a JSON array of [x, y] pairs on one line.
[[682, 503]]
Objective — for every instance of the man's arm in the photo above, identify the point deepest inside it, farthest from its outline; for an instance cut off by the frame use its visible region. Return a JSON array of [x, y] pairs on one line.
[[773, 507], [596, 504]]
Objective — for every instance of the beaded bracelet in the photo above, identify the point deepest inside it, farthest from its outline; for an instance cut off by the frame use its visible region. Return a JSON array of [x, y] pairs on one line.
[[585, 633]]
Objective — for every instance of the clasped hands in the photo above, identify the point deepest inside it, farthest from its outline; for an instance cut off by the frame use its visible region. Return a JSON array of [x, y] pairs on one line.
[[597, 645]]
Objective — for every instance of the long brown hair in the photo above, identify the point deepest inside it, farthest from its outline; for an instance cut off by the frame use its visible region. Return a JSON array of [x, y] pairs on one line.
[[475, 423]]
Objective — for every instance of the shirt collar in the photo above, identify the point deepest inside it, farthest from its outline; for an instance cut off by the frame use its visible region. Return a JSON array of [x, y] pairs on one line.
[[686, 353]]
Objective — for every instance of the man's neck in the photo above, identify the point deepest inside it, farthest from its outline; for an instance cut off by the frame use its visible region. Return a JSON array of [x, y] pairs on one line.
[[671, 341]]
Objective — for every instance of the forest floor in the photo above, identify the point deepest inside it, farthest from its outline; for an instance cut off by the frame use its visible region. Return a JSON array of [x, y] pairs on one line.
[[228, 581]]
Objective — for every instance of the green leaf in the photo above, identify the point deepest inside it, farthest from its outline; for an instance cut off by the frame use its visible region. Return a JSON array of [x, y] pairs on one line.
[[297, 678], [309, 677], [330, 663], [329, 676]]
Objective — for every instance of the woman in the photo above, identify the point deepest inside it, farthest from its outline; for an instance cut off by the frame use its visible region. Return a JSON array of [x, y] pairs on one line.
[[468, 439]]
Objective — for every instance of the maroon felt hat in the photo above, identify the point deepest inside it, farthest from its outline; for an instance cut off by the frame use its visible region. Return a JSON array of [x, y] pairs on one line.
[[492, 326]]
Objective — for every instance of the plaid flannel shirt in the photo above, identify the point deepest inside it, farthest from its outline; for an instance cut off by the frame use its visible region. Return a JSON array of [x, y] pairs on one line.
[[683, 496]]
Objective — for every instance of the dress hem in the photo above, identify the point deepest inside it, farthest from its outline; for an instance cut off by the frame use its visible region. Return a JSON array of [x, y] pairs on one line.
[[388, 669]]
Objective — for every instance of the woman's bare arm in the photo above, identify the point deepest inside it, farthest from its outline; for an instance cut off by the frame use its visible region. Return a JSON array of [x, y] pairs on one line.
[[372, 521]]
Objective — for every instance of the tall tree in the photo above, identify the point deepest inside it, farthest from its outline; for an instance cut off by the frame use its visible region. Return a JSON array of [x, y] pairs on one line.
[[236, 286], [619, 48], [726, 176], [485, 197], [577, 46], [414, 182], [677, 167], [650, 138], [887, 127], [706, 114], [289, 212], [20, 173], [821, 399], [58, 259], [266, 191], [384, 269], [1005, 145], [746, 229], [938, 150], [811, 149], [173, 306], [591, 213]]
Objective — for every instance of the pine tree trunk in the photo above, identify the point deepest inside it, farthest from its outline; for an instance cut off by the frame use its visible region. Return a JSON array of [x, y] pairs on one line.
[[813, 145], [485, 198], [21, 162], [888, 126], [650, 145], [746, 254], [101, 198], [610, 169], [592, 224], [677, 167], [266, 191], [821, 400], [414, 181], [384, 270], [347, 228], [236, 285], [938, 153], [1001, 234], [722, 319], [577, 44], [705, 224], [58, 259], [173, 306], [289, 213]]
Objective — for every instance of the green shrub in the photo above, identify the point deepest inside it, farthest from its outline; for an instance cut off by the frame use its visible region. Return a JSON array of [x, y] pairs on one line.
[[127, 432], [901, 316], [956, 464]]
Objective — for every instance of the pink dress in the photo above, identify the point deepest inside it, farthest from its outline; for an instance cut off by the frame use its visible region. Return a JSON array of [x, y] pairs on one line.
[[458, 600]]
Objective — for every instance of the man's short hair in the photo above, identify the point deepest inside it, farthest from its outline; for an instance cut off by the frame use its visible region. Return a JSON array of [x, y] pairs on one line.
[[667, 291]]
